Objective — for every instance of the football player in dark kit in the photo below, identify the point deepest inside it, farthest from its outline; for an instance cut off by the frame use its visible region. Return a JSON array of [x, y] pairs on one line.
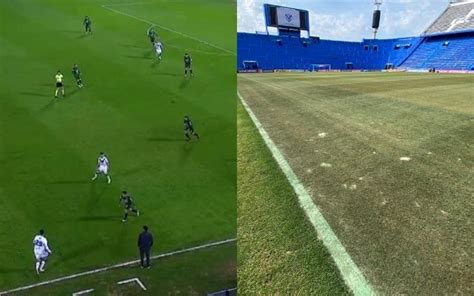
[[188, 65], [87, 24], [128, 205], [76, 72], [189, 129], [152, 36]]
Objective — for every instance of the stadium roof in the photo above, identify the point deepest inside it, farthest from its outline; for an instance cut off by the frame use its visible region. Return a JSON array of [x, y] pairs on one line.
[[458, 16]]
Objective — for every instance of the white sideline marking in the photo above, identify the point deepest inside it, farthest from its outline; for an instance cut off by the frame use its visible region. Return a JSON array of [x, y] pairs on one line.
[[168, 29], [76, 275], [193, 50], [222, 291], [137, 280], [199, 51], [351, 274], [82, 292]]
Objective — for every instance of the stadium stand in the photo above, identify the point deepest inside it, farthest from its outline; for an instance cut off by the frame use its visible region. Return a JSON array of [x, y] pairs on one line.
[[457, 17], [290, 52], [448, 44], [444, 52]]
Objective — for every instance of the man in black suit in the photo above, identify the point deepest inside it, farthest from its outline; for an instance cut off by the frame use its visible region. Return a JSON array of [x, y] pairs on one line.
[[145, 242]]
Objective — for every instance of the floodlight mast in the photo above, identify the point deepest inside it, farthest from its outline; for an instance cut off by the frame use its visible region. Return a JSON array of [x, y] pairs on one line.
[[376, 17]]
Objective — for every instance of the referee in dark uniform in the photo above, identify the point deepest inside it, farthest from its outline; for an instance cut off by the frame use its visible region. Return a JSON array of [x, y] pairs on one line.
[[145, 242]]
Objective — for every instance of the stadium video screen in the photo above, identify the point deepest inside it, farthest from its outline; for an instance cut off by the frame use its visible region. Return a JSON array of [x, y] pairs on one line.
[[286, 17]]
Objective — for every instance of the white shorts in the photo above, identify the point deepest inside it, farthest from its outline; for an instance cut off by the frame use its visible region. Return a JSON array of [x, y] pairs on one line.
[[41, 256], [103, 169], [159, 51]]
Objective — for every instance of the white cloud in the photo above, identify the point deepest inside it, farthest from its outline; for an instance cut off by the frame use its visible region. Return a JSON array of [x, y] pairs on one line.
[[410, 19], [337, 27]]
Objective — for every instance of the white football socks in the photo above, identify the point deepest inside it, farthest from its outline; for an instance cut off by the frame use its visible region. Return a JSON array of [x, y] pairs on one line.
[[43, 263]]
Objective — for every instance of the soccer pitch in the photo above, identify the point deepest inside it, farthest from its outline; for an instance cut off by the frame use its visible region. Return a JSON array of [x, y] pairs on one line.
[[387, 159], [131, 108]]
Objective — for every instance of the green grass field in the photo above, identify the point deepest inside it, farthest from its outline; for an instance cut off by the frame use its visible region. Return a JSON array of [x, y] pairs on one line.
[[180, 275], [276, 256], [387, 157], [131, 108]]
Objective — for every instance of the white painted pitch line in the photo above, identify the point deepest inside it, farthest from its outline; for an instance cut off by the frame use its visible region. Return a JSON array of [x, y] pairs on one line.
[[137, 280], [351, 274], [191, 50], [222, 291], [83, 292], [168, 29], [76, 275]]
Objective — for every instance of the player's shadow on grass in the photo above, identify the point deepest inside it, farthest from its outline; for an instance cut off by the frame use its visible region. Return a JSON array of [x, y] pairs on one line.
[[167, 74], [73, 31], [96, 193], [155, 63], [187, 150], [184, 83], [82, 36], [49, 105], [34, 94], [165, 139], [148, 54], [100, 218], [132, 46], [71, 182], [137, 57], [57, 100], [71, 93]]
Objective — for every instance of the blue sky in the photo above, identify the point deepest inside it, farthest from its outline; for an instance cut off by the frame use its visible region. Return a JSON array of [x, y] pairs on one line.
[[349, 19]]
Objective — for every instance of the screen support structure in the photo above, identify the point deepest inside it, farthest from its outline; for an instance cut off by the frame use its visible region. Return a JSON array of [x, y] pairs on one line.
[[377, 4]]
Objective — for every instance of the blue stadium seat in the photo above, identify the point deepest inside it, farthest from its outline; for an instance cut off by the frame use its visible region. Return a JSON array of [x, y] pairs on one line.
[[449, 51]]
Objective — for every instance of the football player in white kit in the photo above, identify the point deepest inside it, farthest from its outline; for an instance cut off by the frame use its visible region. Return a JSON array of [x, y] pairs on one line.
[[41, 250], [159, 49], [102, 167]]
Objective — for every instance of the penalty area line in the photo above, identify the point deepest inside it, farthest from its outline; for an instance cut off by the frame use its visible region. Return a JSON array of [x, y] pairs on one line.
[[350, 273], [167, 29], [107, 268], [137, 280]]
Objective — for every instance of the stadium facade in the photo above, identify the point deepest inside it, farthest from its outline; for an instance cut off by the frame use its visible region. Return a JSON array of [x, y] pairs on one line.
[[446, 45]]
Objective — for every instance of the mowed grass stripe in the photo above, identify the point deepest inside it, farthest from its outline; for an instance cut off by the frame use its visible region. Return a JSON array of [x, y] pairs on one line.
[[365, 114]]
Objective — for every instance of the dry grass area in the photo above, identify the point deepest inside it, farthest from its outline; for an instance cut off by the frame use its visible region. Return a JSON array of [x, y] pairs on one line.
[[278, 251], [388, 158]]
